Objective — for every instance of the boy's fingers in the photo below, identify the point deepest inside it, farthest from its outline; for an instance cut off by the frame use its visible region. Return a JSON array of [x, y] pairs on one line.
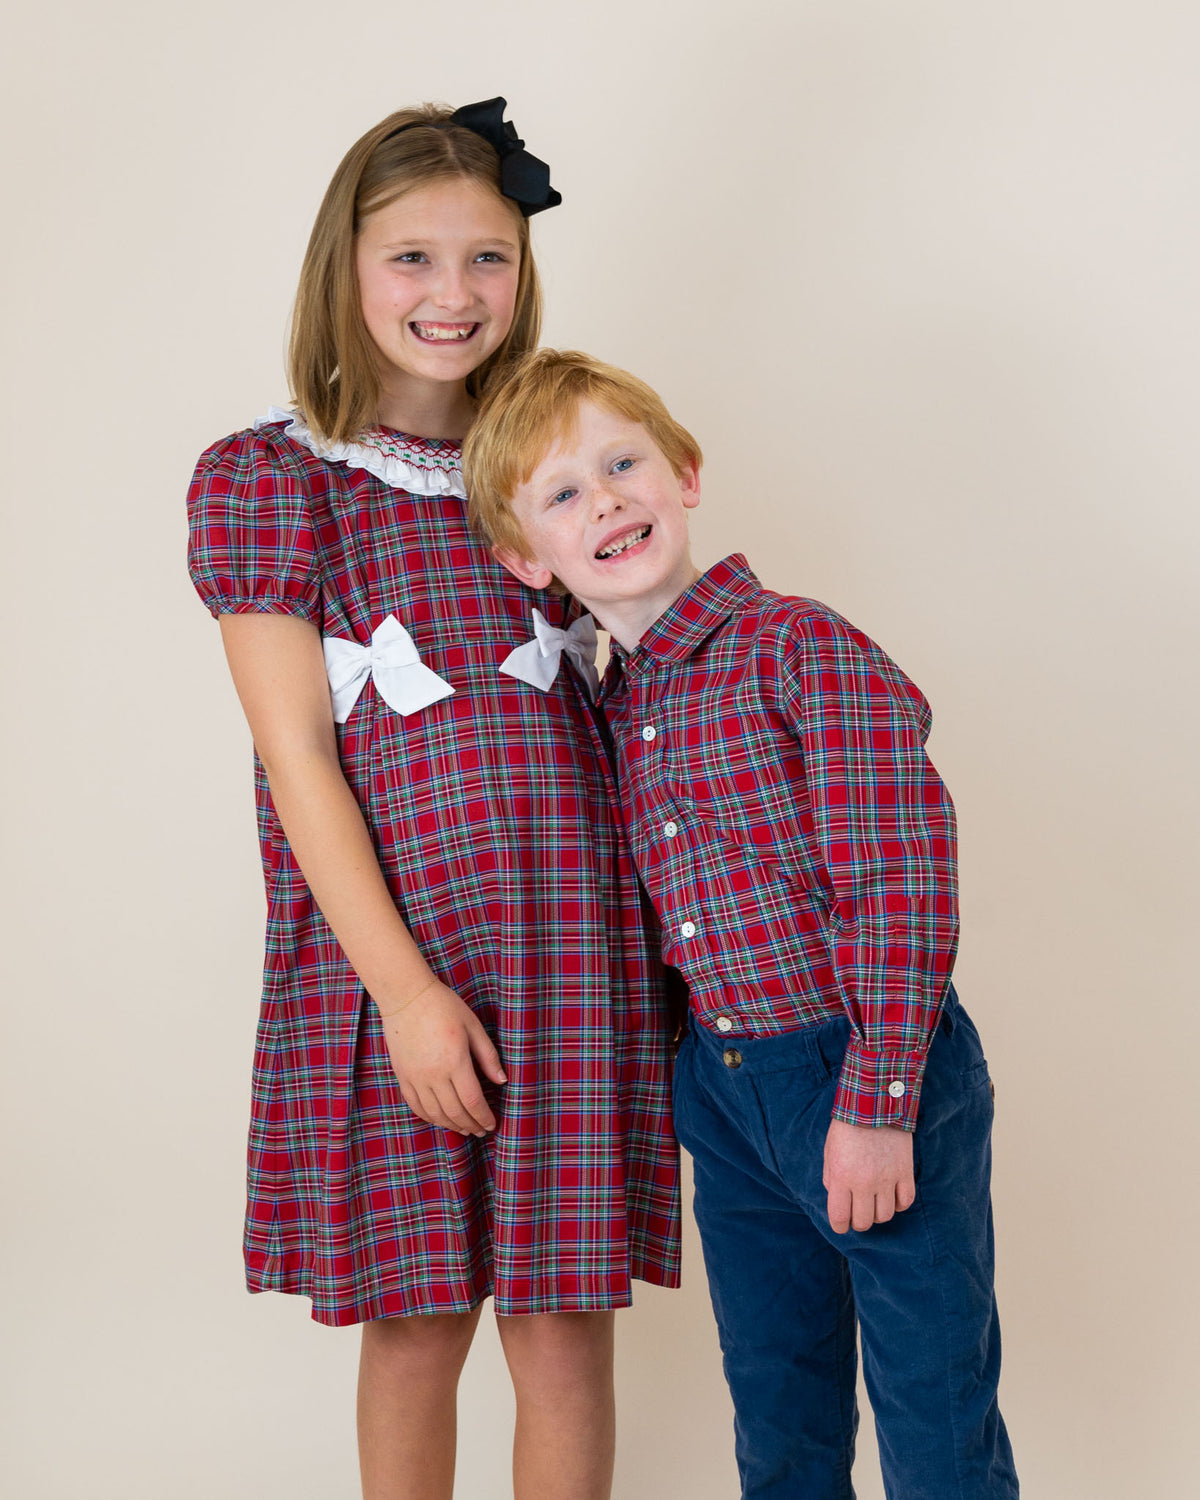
[[906, 1194], [839, 1210], [862, 1215], [885, 1205]]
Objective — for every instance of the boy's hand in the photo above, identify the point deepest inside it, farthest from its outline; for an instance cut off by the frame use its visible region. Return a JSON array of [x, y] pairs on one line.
[[438, 1049], [868, 1174]]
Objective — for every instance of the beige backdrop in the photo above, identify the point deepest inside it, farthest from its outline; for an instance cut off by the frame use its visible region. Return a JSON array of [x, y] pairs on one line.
[[922, 277]]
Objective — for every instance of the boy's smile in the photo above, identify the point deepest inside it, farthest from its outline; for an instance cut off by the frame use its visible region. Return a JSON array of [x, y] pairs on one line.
[[606, 513]]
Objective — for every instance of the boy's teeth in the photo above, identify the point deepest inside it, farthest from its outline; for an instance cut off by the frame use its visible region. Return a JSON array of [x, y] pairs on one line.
[[628, 541]]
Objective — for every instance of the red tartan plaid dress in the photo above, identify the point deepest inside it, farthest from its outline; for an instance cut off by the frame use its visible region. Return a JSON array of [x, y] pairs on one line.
[[491, 817]]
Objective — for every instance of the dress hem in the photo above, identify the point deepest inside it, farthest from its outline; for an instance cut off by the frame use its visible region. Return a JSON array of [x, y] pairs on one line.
[[396, 1305]]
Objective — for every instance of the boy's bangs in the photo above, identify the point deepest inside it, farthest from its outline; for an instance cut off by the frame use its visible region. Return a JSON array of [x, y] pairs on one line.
[[548, 427]]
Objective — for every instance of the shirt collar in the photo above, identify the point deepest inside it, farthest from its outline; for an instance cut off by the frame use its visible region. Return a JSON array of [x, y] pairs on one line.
[[727, 587]]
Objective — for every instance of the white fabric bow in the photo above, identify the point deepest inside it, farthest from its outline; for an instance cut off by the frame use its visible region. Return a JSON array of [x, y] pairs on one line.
[[538, 660], [393, 664]]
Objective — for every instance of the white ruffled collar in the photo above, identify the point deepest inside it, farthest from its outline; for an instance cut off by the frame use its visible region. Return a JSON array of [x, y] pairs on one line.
[[414, 472]]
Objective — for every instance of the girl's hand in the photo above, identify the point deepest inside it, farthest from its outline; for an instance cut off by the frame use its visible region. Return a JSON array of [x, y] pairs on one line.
[[432, 1043]]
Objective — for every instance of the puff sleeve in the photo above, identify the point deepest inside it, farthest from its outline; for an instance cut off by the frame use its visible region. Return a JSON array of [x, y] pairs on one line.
[[250, 531]]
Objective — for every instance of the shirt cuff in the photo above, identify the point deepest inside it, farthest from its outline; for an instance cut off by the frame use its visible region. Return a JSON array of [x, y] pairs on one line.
[[879, 1088]]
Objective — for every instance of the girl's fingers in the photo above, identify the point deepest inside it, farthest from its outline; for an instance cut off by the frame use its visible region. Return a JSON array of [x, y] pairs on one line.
[[411, 1098], [427, 1107], [485, 1052], [470, 1096], [450, 1112]]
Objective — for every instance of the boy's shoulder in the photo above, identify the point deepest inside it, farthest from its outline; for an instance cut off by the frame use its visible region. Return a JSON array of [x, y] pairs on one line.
[[785, 623], [789, 640]]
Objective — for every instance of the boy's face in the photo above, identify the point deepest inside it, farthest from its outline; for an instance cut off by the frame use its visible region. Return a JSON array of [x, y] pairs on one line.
[[605, 512]]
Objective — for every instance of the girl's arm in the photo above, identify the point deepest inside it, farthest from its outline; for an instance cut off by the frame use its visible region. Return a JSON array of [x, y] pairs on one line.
[[432, 1034]]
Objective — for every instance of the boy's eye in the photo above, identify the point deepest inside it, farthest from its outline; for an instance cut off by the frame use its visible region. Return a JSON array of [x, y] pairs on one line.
[[561, 497], [622, 465]]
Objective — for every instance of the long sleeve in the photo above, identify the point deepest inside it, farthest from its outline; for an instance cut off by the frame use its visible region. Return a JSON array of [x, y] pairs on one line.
[[884, 825]]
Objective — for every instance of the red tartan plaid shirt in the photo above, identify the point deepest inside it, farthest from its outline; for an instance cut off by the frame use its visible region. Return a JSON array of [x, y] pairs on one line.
[[796, 841]]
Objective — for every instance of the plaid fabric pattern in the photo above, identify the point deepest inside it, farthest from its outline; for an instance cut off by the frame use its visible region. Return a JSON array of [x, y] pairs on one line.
[[797, 843], [491, 816]]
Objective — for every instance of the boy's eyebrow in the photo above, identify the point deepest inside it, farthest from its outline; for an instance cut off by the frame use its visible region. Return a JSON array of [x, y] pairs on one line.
[[555, 477]]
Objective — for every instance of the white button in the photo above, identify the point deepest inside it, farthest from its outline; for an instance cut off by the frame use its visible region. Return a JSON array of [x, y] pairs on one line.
[[896, 1089], [670, 829], [649, 732], [688, 930], [724, 1023]]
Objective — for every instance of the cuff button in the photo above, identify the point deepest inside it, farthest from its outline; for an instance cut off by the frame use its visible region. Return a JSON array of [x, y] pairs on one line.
[[896, 1089]]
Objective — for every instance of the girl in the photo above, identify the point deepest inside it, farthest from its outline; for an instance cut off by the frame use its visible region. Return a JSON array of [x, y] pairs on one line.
[[461, 1078]]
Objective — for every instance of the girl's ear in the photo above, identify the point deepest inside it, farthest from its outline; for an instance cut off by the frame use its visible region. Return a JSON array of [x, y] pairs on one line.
[[530, 573], [689, 484]]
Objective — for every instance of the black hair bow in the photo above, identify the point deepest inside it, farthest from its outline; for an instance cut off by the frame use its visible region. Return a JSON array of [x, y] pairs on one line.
[[523, 178]]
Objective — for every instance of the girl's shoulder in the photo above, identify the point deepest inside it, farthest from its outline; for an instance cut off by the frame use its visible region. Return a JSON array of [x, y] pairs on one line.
[[257, 452]]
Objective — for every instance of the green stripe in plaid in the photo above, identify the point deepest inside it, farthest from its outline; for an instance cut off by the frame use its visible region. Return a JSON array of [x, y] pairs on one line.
[[796, 841], [492, 819]]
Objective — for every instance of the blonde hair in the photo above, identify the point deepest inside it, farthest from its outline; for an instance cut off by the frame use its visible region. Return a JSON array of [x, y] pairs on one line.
[[331, 357], [532, 402]]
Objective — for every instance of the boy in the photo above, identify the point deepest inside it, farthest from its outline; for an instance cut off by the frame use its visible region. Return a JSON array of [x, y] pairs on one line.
[[799, 849]]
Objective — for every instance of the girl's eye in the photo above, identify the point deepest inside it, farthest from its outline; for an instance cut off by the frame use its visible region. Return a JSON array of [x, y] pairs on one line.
[[622, 465], [561, 497], [411, 257], [491, 255]]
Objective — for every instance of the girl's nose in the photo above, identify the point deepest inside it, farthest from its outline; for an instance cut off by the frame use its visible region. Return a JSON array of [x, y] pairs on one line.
[[452, 291]]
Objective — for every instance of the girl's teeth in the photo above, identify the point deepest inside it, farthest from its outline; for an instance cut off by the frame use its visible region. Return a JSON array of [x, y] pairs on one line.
[[445, 335]]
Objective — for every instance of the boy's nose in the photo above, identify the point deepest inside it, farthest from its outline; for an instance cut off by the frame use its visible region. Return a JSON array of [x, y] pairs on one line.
[[604, 500]]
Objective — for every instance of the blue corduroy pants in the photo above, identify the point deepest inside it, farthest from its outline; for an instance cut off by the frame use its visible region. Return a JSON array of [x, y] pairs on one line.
[[789, 1294]]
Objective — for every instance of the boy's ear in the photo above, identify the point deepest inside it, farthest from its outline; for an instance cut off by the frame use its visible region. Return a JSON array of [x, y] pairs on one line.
[[530, 573], [689, 484]]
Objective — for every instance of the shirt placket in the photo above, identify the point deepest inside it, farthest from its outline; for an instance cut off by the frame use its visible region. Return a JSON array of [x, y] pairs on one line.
[[668, 846]]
